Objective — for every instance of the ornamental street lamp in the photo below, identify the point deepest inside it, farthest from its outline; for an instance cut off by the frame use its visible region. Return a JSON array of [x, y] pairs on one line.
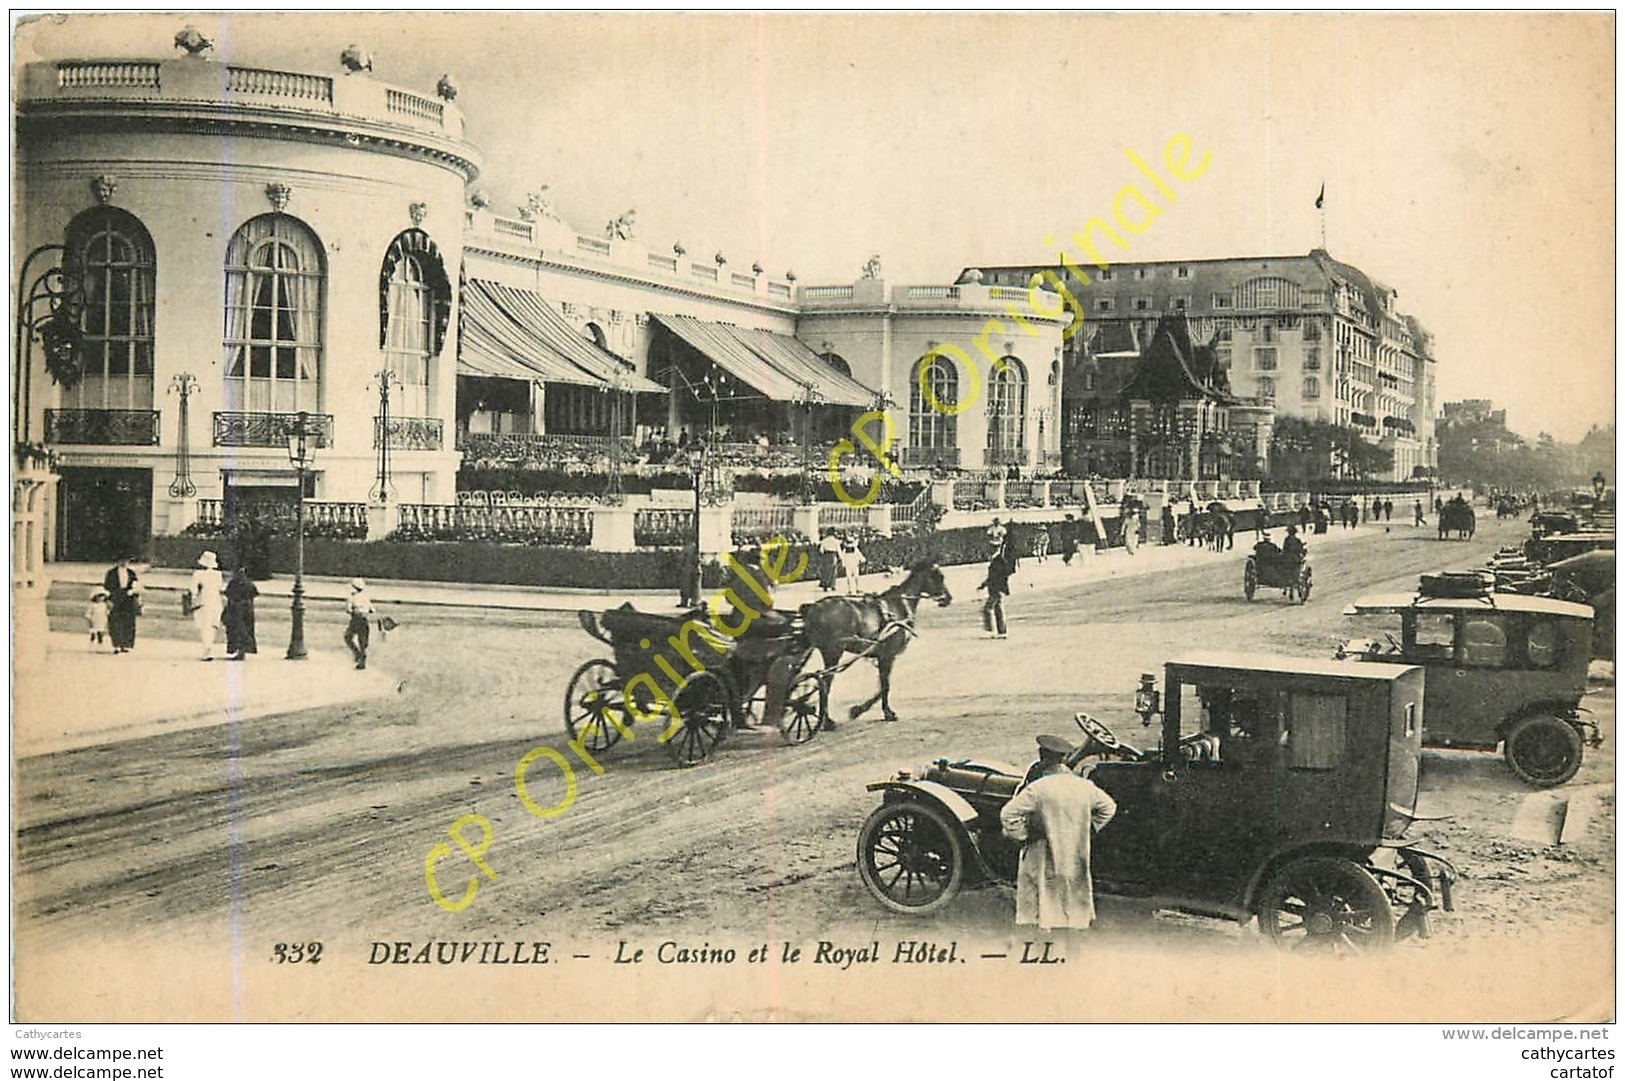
[[299, 433], [616, 389], [386, 378]]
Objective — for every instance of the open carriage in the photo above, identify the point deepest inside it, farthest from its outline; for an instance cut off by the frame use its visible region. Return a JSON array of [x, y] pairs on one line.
[[696, 682], [1277, 570]]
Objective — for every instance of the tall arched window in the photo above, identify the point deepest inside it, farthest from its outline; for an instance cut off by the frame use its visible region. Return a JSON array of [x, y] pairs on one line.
[[416, 297], [1007, 412], [409, 346], [275, 279], [112, 253], [930, 424]]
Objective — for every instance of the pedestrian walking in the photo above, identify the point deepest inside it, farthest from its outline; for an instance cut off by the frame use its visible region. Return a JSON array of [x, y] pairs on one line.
[[829, 555], [1041, 544], [1420, 520], [997, 584], [96, 618], [1069, 540], [851, 562], [1055, 817], [1387, 510], [207, 594], [123, 587], [359, 632], [238, 615]]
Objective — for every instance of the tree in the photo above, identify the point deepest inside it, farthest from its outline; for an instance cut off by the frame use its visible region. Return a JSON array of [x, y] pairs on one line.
[[1303, 451]]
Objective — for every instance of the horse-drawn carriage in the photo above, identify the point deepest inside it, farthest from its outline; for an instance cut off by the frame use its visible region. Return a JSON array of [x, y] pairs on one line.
[[1457, 517], [703, 676], [755, 678], [1289, 573]]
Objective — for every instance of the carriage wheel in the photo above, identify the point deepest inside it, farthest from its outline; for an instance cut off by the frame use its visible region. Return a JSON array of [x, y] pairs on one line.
[[1249, 579], [593, 697], [799, 722], [703, 705], [1326, 903], [1304, 582], [910, 857]]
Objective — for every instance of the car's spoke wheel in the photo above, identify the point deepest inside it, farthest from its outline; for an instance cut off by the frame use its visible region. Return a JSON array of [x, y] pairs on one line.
[[593, 703], [1249, 580], [704, 712], [1305, 581], [800, 720], [1544, 750], [910, 857], [1324, 903]]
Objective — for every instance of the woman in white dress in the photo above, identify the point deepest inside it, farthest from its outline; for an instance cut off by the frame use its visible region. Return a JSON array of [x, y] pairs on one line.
[[208, 601]]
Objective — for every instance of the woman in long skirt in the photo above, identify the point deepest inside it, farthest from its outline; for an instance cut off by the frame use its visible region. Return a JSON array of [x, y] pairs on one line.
[[239, 615], [123, 604]]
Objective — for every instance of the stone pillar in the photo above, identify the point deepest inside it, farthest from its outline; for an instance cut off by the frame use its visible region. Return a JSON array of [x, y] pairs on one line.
[[383, 518], [613, 528], [805, 520], [880, 517], [716, 528], [33, 490]]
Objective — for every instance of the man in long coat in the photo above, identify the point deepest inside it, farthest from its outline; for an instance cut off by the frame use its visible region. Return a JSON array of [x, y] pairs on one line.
[[1056, 816]]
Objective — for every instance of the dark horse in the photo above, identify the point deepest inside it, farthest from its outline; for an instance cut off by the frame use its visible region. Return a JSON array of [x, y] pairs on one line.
[[874, 625]]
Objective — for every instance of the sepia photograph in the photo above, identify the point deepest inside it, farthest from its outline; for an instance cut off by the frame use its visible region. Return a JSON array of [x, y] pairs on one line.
[[814, 517]]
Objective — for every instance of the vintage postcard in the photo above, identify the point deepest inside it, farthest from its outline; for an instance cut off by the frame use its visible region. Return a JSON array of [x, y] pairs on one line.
[[813, 517]]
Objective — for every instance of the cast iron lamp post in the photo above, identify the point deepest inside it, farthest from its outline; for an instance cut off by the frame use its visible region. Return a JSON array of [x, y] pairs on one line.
[[299, 433]]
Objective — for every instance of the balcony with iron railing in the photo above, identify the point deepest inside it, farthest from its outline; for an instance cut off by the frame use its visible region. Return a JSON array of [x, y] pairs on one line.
[[269, 429], [102, 427], [410, 433]]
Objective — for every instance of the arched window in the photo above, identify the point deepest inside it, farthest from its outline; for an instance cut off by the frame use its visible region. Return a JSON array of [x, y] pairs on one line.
[[275, 280], [113, 255], [836, 361], [930, 425], [596, 333], [1007, 412], [416, 298]]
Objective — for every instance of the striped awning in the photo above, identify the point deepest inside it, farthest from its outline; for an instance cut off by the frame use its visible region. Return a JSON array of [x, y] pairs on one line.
[[778, 366], [514, 333], [793, 357]]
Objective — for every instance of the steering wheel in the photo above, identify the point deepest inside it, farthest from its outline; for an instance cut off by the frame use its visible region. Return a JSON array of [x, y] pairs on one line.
[[1097, 731], [1393, 642]]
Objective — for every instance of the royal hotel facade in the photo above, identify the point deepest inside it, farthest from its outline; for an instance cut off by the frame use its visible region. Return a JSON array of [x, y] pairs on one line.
[[245, 244], [1312, 337]]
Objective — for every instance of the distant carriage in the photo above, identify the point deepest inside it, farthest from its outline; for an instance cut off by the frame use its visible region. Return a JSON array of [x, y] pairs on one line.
[[1457, 518], [1290, 574]]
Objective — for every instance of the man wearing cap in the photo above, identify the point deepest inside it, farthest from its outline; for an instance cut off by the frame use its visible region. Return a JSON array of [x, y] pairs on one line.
[[359, 631], [1055, 815]]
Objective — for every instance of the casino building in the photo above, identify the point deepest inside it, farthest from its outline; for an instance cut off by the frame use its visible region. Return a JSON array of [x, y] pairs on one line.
[[209, 250]]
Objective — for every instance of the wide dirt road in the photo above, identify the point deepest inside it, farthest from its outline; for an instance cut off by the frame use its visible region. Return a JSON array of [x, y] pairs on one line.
[[212, 845]]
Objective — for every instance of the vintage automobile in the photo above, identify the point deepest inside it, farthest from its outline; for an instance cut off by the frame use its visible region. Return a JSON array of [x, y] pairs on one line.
[[1503, 669], [1281, 789]]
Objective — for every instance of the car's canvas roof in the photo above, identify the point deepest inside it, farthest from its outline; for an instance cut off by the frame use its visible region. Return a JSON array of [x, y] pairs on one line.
[[1270, 663], [1493, 602]]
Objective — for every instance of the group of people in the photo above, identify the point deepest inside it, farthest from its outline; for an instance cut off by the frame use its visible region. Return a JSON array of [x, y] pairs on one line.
[[838, 553], [214, 600]]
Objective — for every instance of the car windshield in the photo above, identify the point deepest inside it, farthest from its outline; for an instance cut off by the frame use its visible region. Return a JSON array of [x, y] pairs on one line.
[[1375, 632]]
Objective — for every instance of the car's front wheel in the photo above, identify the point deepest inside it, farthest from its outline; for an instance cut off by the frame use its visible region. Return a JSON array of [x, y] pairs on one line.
[[911, 857]]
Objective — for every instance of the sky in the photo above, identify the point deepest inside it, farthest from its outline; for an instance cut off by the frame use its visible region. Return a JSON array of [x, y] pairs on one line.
[[1467, 159]]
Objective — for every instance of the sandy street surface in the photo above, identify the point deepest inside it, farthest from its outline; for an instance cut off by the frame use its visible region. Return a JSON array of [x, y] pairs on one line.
[[156, 874]]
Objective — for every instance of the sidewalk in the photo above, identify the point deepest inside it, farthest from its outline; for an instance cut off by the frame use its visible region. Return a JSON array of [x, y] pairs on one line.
[[77, 698]]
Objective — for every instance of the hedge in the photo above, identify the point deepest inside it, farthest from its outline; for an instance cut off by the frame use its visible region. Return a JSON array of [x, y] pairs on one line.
[[497, 564], [559, 481]]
